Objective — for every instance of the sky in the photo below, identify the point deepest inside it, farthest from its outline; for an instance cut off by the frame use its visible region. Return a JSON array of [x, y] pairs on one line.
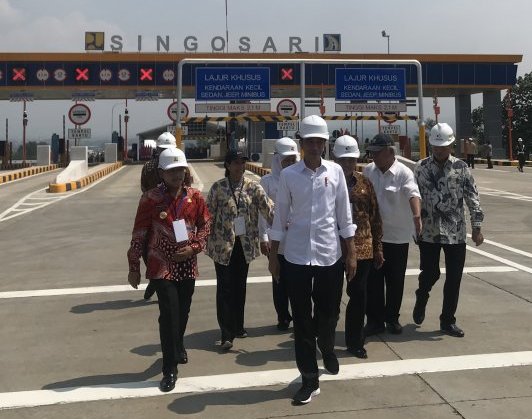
[[416, 26]]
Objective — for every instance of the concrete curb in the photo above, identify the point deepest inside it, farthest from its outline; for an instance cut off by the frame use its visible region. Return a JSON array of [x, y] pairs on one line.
[[78, 184], [30, 171], [502, 162]]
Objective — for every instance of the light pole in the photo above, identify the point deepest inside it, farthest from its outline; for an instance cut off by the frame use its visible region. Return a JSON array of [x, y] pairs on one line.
[[113, 116], [385, 35], [126, 120], [24, 124]]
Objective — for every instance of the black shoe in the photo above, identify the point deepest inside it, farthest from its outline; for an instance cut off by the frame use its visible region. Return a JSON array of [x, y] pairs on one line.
[[283, 325], [168, 383], [452, 330], [309, 389], [330, 362], [419, 309], [373, 329], [242, 334], [358, 352], [226, 345], [394, 328], [150, 290], [182, 357]]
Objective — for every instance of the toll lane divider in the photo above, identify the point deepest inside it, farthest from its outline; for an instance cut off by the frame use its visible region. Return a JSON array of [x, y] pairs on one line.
[[78, 184], [30, 171], [258, 170]]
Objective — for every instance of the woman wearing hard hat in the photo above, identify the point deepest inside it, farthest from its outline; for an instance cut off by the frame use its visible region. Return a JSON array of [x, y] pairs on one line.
[[521, 154], [172, 224], [367, 241]]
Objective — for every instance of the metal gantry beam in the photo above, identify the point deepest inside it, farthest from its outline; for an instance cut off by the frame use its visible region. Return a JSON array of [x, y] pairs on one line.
[[303, 62]]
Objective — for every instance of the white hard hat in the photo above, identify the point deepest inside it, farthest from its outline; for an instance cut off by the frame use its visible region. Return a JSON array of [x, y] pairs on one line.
[[346, 146], [286, 147], [166, 140], [520, 139], [313, 126], [172, 157], [441, 135]]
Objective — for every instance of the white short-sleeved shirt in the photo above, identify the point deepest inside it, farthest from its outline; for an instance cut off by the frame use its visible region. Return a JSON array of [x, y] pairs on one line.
[[394, 189], [312, 211]]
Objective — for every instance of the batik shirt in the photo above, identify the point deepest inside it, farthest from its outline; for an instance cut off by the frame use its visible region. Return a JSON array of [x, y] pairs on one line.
[[153, 234], [366, 216], [149, 177], [443, 192], [248, 200]]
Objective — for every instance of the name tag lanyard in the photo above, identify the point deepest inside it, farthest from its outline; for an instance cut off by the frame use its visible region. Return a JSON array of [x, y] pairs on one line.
[[179, 205], [237, 202]]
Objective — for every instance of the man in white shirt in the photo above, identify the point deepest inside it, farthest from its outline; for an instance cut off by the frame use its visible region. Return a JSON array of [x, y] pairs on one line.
[[312, 211], [400, 208]]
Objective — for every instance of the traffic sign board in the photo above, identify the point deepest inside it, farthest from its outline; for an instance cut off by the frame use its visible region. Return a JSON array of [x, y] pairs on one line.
[[232, 83], [232, 107], [287, 126], [370, 84], [171, 129], [77, 133], [286, 107], [79, 114], [391, 129], [172, 110], [370, 107]]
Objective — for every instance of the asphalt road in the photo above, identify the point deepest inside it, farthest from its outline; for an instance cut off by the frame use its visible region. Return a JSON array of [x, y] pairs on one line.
[[77, 342]]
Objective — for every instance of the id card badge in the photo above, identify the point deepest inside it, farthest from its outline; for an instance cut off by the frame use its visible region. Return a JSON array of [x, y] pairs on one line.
[[180, 230], [240, 226]]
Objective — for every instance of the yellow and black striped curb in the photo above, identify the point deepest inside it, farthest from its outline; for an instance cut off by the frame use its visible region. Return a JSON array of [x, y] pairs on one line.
[[78, 184], [502, 162], [30, 171], [258, 170], [390, 119]]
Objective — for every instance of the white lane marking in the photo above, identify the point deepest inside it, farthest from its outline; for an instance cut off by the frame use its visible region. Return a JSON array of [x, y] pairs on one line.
[[504, 194], [199, 283], [211, 383], [503, 246], [44, 199], [500, 259], [197, 181]]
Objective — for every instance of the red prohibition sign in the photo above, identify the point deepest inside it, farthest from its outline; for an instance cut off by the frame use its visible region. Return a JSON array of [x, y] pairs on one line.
[[19, 74], [82, 74], [287, 74], [146, 74], [79, 114]]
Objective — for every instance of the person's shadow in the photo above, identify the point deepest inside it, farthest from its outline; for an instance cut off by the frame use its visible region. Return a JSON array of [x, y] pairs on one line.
[[108, 379], [196, 403], [110, 305]]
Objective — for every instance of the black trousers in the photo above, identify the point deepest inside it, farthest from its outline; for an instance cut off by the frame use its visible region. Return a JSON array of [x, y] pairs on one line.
[[174, 299], [430, 273], [356, 307], [490, 163], [392, 273], [321, 285], [471, 161], [231, 293], [522, 160], [280, 294]]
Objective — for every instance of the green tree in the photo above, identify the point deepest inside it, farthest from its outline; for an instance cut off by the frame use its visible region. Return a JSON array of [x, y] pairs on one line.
[[521, 104], [477, 118], [31, 150]]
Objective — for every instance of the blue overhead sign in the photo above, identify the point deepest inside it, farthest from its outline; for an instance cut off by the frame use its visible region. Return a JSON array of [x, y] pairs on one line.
[[370, 84], [232, 83]]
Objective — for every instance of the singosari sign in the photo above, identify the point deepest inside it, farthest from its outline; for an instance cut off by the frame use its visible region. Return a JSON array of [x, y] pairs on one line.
[[191, 43]]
